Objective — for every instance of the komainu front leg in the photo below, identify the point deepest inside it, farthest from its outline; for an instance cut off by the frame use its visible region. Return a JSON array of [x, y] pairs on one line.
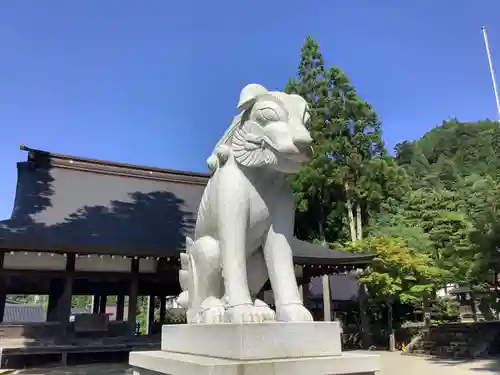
[[257, 278], [232, 229], [279, 259]]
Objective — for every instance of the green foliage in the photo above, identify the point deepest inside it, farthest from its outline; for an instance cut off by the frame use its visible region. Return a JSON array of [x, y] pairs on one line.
[[435, 222], [444, 310], [483, 198], [20, 298], [397, 272], [473, 148], [455, 174], [81, 301], [431, 214]]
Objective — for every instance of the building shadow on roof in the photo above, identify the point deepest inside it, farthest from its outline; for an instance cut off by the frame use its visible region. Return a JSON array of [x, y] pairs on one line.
[[147, 220], [140, 220], [33, 195]]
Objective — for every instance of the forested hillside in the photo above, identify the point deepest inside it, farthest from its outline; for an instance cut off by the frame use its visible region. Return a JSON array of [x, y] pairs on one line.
[[430, 213], [453, 151]]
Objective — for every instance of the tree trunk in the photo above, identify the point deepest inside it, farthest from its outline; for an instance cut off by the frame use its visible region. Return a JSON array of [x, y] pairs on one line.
[[359, 227], [392, 336], [427, 311], [473, 303], [485, 309], [321, 231], [350, 214], [322, 218], [364, 319]]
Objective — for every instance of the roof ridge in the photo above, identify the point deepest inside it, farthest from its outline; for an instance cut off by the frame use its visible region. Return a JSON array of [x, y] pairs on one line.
[[99, 165]]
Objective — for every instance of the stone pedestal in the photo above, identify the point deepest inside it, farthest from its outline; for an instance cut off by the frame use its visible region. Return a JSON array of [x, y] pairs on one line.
[[311, 348]]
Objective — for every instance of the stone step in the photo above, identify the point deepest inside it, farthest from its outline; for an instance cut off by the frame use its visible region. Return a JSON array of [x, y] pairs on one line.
[[162, 362]]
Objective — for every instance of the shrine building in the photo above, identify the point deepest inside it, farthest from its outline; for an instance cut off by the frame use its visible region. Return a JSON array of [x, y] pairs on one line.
[[81, 226]]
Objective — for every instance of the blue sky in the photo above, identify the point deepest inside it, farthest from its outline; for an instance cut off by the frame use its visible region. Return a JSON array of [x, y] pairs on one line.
[[156, 82]]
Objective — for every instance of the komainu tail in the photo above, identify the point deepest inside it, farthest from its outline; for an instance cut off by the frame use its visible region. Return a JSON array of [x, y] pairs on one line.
[[200, 276], [186, 276]]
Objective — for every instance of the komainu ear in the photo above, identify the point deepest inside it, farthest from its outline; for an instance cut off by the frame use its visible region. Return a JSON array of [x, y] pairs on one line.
[[249, 94]]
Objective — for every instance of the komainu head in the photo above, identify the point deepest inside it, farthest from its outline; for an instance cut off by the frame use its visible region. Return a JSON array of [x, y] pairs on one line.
[[269, 131]]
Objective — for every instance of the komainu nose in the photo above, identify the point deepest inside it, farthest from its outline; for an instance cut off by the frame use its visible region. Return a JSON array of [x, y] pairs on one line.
[[302, 139]]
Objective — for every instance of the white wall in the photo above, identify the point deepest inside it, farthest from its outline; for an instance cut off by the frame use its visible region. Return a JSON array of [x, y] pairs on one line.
[[97, 263], [34, 261], [343, 287], [104, 263], [147, 265]]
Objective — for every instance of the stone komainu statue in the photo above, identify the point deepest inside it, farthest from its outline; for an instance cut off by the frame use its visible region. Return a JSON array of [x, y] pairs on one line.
[[244, 228]]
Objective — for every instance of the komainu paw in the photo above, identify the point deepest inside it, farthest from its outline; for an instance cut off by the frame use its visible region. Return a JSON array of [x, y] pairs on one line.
[[267, 314], [243, 314], [295, 312], [212, 311]]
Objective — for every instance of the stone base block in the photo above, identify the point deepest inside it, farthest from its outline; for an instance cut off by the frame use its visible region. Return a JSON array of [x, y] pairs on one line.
[[162, 362], [254, 341]]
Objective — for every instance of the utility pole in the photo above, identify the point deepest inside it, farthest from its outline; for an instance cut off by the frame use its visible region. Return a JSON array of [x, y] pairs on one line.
[[492, 72]]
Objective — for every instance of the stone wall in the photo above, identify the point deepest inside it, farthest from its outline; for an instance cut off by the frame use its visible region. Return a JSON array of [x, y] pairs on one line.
[[30, 331], [461, 340]]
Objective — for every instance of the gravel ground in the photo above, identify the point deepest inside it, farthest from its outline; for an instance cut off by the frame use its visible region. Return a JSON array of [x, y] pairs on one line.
[[397, 364], [392, 364]]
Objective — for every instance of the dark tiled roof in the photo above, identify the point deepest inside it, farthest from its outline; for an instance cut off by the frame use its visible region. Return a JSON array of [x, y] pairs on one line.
[[80, 310], [71, 204], [460, 290], [305, 252], [81, 205], [23, 313]]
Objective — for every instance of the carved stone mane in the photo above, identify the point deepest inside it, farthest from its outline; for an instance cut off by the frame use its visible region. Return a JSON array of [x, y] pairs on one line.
[[222, 149]]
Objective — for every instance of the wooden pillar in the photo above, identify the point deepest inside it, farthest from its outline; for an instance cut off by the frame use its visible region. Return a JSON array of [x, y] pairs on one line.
[[3, 286], [95, 304], [365, 324], [55, 292], [64, 308], [306, 279], [120, 307], [163, 309], [103, 299], [300, 281], [151, 314], [133, 294], [60, 296], [327, 310]]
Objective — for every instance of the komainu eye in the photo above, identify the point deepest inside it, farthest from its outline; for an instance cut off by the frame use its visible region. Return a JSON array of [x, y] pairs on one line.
[[268, 115], [306, 117]]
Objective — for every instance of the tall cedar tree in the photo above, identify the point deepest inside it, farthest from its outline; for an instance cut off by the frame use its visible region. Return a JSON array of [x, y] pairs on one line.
[[350, 172]]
